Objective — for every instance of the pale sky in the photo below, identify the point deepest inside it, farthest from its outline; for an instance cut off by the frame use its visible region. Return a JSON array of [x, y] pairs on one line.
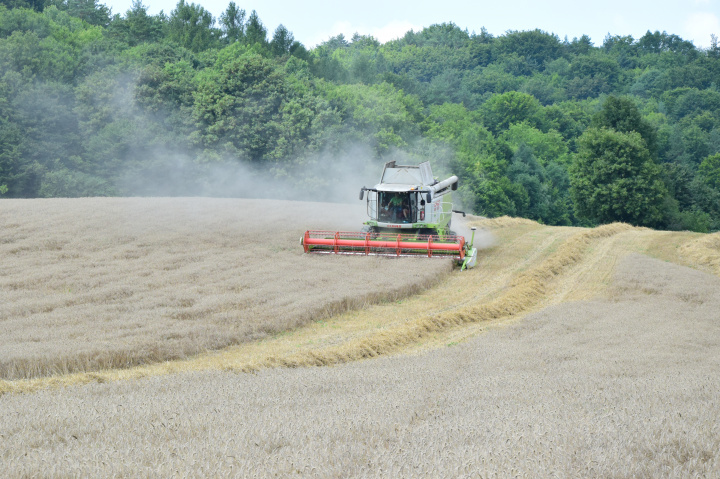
[[314, 21]]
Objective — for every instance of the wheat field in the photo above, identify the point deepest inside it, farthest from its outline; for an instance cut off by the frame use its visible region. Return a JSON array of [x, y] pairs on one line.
[[567, 352], [624, 385], [87, 284]]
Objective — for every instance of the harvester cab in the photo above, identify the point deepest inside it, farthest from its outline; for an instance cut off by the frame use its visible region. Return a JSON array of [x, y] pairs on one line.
[[409, 198], [410, 214]]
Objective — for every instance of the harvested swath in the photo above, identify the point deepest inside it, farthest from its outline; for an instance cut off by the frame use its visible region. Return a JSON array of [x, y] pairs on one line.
[[704, 251], [88, 284], [499, 222], [568, 255], [520, 248], [525, 291], [619, 387]]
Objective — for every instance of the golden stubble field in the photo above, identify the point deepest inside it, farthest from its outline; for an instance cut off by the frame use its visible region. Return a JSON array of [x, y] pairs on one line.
[[567, 352]]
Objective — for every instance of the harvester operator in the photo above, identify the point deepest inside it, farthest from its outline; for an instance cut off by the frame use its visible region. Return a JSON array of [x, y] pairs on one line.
[[396, 206]]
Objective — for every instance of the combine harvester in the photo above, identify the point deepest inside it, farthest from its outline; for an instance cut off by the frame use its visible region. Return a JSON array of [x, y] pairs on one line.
[[410, 214]]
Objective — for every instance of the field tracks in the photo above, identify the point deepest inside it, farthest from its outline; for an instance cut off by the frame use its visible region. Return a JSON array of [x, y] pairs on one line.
[[551, 266], [526, 290], [704, 251], [518, 288]]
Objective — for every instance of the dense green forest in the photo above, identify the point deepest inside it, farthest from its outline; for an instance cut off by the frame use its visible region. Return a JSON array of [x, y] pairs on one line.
[[557, 130]]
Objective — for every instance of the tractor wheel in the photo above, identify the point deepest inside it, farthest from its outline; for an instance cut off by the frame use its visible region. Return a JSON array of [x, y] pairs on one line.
[[370, 229], [428, 232]]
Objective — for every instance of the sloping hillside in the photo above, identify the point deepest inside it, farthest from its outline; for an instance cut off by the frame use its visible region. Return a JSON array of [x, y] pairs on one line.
[[87, 284], [566, 351], [623, 385], [143, 284]]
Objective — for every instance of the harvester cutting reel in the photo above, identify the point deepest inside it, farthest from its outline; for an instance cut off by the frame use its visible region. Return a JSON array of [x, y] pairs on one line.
[[372, 243]]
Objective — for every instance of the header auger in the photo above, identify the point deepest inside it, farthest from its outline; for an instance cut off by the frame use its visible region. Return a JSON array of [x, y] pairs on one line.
[[410, 214]]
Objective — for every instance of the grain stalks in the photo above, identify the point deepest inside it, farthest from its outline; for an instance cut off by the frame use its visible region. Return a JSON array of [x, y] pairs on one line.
[[704, 251], [528, 289], [525, 291], [101, 283]]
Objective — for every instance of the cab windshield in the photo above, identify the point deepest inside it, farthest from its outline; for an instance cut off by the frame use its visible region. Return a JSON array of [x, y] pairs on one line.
[[397, 207]]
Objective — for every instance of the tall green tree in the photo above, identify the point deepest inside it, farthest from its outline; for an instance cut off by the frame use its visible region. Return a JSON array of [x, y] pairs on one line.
[[191, 26], [622, 114], [238, 107], [710, 171], [535, 46], [137, 26], [232, 22], [501, 111], [282, 41], [255, 31], [91, 11], [591, 75], [613, 178]]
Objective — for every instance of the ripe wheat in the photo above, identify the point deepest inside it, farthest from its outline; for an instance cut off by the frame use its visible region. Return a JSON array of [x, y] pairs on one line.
[[99, 283], [620, 386]]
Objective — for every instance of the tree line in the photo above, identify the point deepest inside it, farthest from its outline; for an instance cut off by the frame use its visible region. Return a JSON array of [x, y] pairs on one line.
[[560, 131]]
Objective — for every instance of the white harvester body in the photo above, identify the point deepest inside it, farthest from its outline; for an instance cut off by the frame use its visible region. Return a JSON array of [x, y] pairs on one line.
[[409, 197], [410, 213]]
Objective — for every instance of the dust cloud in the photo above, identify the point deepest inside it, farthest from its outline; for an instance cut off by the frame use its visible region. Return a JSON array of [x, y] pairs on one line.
[[462, 226], [323, 177]]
